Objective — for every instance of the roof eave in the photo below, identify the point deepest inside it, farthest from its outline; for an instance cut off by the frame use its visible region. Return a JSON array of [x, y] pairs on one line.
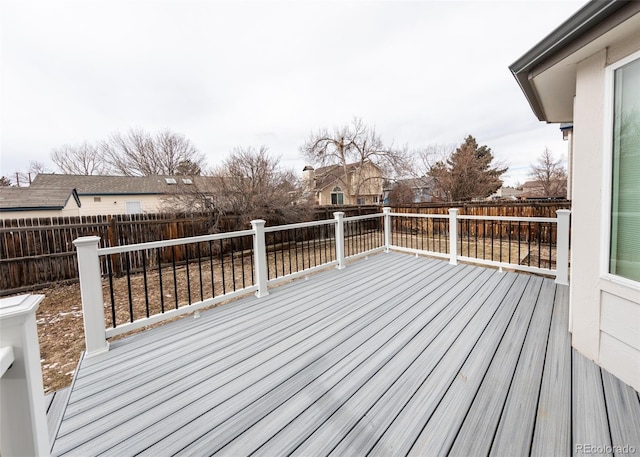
[[592, 14]]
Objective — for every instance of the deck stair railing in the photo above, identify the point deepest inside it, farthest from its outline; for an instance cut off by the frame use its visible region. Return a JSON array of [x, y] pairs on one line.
[[173, 277]]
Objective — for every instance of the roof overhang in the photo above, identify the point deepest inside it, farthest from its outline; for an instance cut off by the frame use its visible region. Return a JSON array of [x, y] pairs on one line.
[[547, 73]]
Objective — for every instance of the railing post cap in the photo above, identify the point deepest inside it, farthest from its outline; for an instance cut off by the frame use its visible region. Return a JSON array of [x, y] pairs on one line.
[[258, 222], [338, 214], [19, 305], [386, 210], [453, 210], [86, 241], [563, 211]]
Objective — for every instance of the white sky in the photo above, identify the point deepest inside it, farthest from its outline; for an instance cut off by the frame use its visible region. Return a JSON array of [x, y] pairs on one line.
[[241, 73]]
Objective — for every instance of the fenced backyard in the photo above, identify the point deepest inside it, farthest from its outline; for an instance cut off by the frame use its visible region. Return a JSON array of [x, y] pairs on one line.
[[36, 253]]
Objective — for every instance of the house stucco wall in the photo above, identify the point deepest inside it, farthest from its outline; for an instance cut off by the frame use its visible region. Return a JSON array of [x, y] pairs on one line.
[[605, 312], [116, 204], [70, 210]]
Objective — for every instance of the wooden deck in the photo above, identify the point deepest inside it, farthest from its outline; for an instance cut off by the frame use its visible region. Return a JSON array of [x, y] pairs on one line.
[[394, 355]]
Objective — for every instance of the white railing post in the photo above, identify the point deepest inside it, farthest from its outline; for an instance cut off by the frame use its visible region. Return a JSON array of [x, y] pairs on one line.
[[387, 228], [562, 247], [23, 420], [453, 236], [339, 216], [91, 293], [260, 257]]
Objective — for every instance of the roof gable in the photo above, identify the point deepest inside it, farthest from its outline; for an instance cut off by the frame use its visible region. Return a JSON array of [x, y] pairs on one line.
[[30, 199]]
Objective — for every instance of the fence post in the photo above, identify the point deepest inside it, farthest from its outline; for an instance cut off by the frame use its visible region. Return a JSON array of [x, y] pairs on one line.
[[91, 293], [562, 247], [387, 228], [339, 216], [260, 256], [453, 236], [23, 421]]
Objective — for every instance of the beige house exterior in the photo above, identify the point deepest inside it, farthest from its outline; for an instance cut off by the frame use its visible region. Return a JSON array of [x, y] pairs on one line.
[[587, 72], [28, 203], [360, 185], [109, 195]]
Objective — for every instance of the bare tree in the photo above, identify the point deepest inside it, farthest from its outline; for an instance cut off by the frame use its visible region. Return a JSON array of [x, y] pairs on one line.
[[5, 182], [138, 153], [82, 159], [467, 173], [401, 194], [251, 183], [550, 175], [24, 178], [355, 143]]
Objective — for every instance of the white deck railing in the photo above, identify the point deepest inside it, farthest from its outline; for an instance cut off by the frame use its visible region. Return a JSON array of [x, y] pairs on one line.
[[274, 250]]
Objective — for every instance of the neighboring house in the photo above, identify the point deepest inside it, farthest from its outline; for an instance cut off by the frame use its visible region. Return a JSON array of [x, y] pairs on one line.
[[534, 190], [421, 189], [27, 202], [587, 72], [507, 193], [360, 185], [103, 195]]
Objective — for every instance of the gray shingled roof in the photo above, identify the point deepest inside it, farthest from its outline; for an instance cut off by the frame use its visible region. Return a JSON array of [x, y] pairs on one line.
[[30, 199], [114, 185]]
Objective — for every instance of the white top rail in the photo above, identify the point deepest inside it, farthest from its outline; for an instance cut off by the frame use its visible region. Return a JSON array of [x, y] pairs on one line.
[[174, 242], [510, 218], [425, 216], [363, 217], [277, 228], [481, 218]]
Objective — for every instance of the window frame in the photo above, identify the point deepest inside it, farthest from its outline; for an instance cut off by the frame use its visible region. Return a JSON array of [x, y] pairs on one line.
[[607, 169]]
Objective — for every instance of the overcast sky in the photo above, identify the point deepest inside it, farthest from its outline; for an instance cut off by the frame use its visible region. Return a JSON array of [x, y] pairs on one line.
[[240, 73]]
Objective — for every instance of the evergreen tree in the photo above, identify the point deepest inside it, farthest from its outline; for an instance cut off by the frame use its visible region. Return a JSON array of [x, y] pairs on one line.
[[467, 173]]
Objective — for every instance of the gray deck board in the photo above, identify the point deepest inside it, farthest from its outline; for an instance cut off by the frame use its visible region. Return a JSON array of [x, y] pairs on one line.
[[552, 435], [381, 355], [589, 413], [403, 414], [393, 355], [515, 430], [623, 411], [442, 427]]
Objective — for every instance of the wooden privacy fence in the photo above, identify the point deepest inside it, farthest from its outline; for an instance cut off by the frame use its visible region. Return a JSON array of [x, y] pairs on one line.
[[523, 231], [39, 252]]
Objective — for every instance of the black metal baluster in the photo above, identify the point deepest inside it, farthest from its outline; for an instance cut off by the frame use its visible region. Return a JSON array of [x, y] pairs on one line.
[[550, 242], [540, 244], [509, 240], [213, 287], [159, 259], [529, 243], [200, 270], [111, 294], [233, 263], [224, 285], [144, 279], [244, 284], [128, 267], [175, 275], [295, 245], [275, 255], [519, 242], [289, 250], [253, 281], [186, 258]]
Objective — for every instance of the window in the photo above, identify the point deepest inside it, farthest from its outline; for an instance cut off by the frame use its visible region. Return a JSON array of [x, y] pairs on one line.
[[624, 258], [375, 199], [170, 180], [97, 199], [337, 196], [133, 207], [360, 201], [187, 181]]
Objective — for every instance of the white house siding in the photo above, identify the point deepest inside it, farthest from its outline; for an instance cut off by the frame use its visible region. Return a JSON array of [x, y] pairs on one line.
[[605, 312], [116, 204], [70, 210]]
